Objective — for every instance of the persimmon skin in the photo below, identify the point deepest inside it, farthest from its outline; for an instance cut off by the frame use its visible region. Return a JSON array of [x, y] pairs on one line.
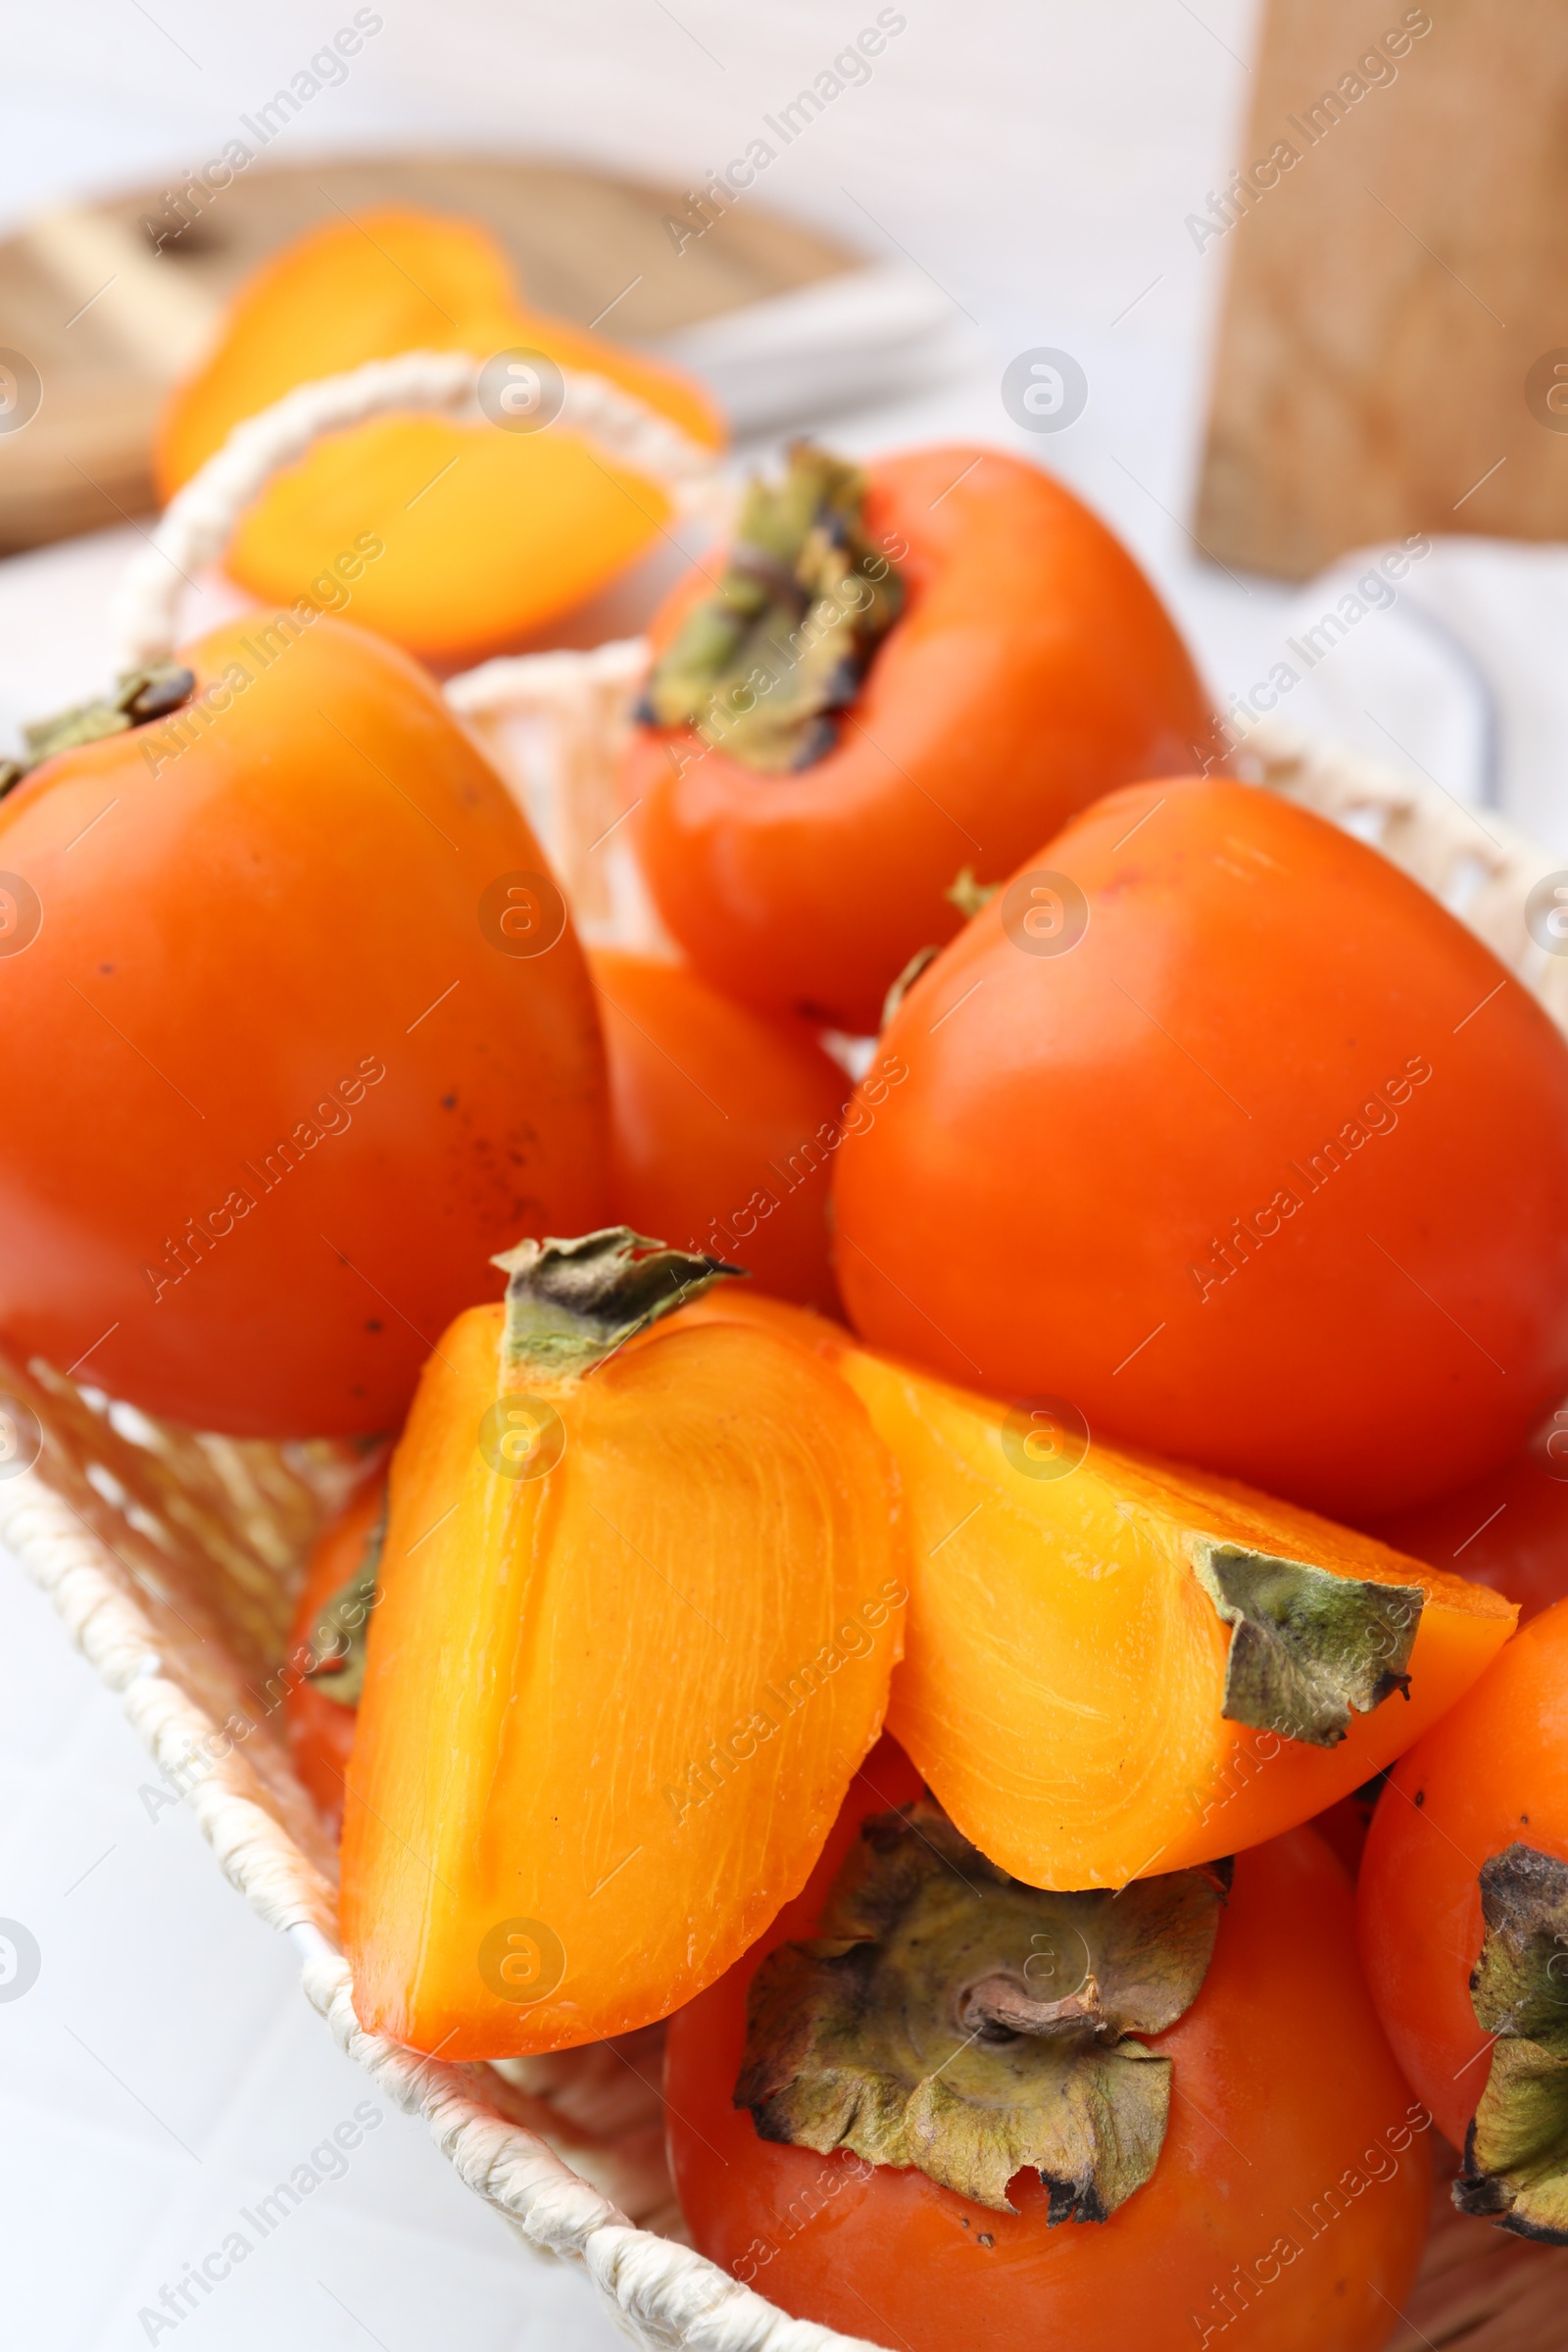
[[516, 527], [555, 1662], [229, 950], [1033, 668], [320, 1731], [1509, 1529], [1039, 1209], [1492, 1774], [1284, 2093], [724, 1121]]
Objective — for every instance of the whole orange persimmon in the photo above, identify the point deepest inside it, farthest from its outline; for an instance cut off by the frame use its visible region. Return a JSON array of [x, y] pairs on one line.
[[1267, 2177], [1509, 1529], [1463, 1902], [294, 1032], [726, 1123], [904, 678], [1222, 1132]]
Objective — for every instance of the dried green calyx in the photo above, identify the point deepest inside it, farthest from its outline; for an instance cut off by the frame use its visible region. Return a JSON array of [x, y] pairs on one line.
[[1308, 1648], [951, 2018], [337, 1640], [920, 962], [970, 893], [141, 695], [1516, 2149], [783, 642], [569, 1304]]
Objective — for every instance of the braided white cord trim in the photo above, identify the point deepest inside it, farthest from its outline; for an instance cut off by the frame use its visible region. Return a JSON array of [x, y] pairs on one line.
[[199, 518], [64, 1556], [666, 2293], [547, 685]]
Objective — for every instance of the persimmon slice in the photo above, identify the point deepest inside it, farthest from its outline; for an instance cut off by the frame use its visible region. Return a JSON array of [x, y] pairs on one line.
[[452, 538], [1115, 1666], [639, 1605]]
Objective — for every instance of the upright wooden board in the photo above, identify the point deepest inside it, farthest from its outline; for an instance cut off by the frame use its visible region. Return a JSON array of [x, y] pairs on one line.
[[109, 314], [1398, 303]]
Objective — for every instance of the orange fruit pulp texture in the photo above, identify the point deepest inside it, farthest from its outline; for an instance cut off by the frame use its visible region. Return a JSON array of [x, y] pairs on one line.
[[482, 534], [1065, 1669], [724, 1122], [611, 1711]]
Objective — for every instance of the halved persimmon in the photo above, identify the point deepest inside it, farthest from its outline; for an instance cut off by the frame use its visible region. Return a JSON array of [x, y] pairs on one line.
[[639, 1610], [479, 534], [1115, 1665]]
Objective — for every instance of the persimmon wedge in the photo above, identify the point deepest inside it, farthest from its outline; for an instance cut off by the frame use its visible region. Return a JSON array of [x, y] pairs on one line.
[[481, 534], [1115, 1666], [639, 1610]]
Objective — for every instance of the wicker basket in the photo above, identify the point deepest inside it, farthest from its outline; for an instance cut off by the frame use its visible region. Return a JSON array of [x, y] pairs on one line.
[[173, 1560]]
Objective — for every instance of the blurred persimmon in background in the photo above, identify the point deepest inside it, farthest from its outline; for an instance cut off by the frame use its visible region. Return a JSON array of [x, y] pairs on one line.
[[487, 533]]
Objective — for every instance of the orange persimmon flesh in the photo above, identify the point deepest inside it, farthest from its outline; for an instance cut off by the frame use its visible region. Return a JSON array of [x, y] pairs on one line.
[[1065, 1669], [611, 1711], [485, 534]]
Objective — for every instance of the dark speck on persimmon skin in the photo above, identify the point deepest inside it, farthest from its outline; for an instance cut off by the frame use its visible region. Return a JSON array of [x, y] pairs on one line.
[[449, 1101], [373, 1324]]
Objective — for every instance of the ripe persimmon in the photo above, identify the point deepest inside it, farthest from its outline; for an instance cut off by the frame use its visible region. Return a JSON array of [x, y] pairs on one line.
[[724, 1122], [639, 1607], [481, 534], [1463, 1904], [1508, 1529], [904, 679], [303, 1032], [1114, 1664], [1222, 1129], [1251, 2172]]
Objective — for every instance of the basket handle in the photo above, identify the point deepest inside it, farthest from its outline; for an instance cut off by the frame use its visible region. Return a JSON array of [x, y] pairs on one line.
[[200, 519]]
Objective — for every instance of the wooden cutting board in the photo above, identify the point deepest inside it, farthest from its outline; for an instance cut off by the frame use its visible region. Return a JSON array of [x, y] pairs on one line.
[[109, 317], [1398, 298]]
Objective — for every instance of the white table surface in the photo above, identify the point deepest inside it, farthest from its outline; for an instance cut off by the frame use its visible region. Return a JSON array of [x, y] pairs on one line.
[[1037, 158]]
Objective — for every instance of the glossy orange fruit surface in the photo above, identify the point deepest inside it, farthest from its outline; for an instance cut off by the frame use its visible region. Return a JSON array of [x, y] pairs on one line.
[[1221, 1132]]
